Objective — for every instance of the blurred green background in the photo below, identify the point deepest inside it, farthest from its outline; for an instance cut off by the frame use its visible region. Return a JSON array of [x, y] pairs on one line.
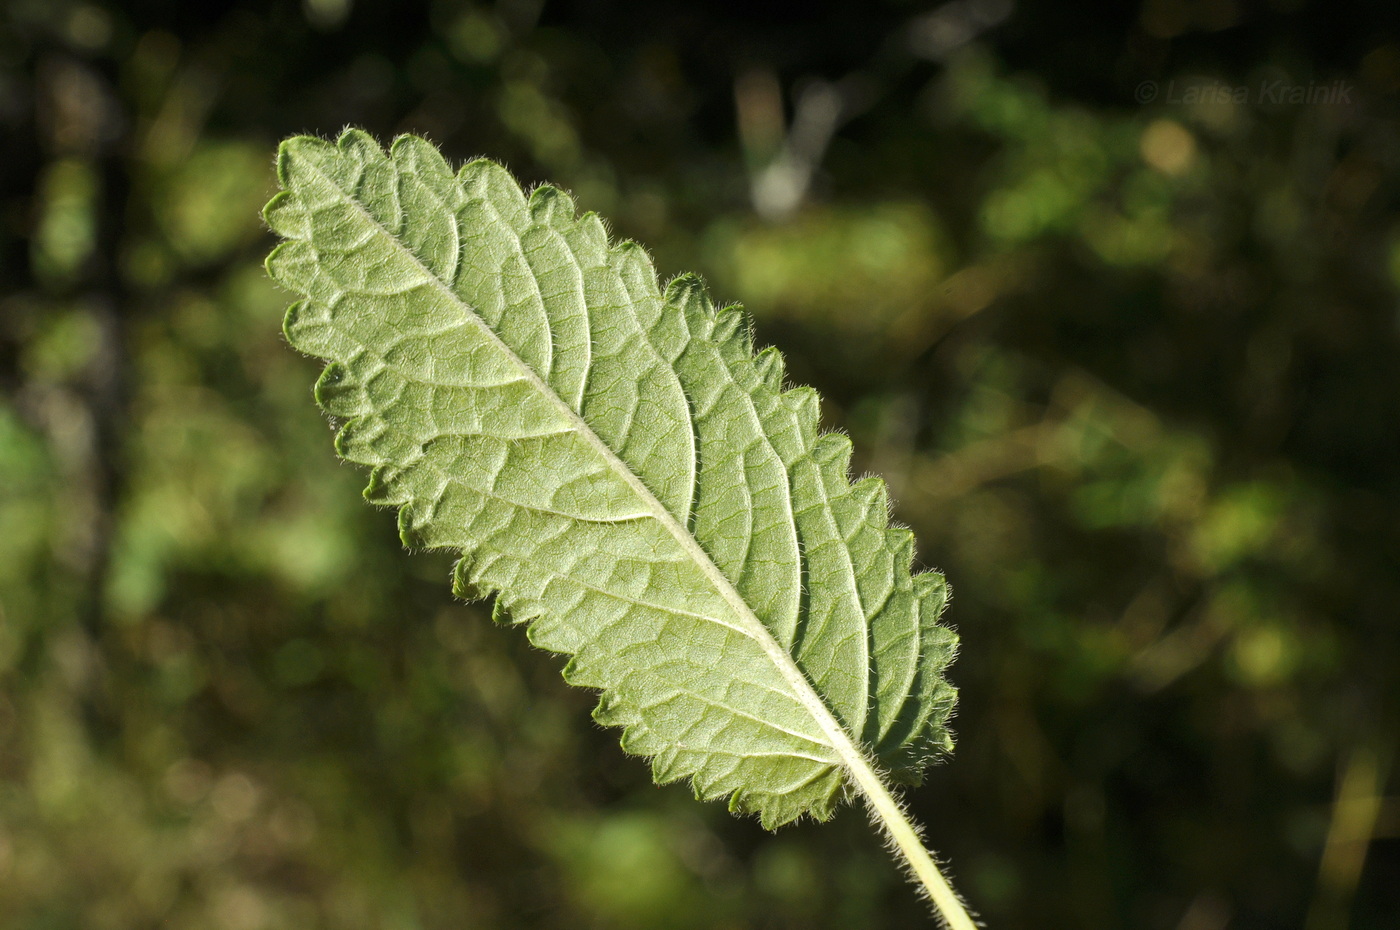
[[1108, 295]]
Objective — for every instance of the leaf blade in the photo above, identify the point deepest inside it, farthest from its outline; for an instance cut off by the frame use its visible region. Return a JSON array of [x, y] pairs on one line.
[[617, 467]]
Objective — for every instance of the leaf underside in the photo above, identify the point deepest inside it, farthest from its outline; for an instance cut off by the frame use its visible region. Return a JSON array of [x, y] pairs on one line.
[[617, 467]]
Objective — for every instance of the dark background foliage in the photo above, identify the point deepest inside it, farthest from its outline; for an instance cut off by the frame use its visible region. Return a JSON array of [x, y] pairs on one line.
[[1108, 295]]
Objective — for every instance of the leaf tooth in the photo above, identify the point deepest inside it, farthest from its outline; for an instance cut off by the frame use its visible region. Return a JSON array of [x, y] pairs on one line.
[[634, 262], [771, 368], [805, 404], [368, 177], [873, 497], [634, 258], [299, 316], [606, 708], [313, 149], [550, 206], [463, 585], [743, 803], [635, 739], [367, 441], [360, 145], [310, 326], [411, 526], [483, 179], [638, 275], [469, 584], [594, 231], [350, 436], [416, 182], [339, 393], [900, 541], [383, 487], [342, 163], [833, 453], [419, 155], [687, 291], [933, 592], [293, 265], [285, 215], [669, 765], [731, 332], [707, 789]]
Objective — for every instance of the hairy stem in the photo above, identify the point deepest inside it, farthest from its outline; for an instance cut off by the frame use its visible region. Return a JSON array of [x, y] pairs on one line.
[[905, 836]]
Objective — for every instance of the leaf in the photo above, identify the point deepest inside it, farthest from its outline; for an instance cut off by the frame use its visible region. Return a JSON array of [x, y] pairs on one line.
[[620, 470]]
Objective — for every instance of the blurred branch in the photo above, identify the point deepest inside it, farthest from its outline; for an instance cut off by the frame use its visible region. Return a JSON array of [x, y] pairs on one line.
[[1353, 826], [936, 478], [937, 34], [1207, 912], [1188, 645], [781, 175], [779, 187], [979, 463], [81, 118]]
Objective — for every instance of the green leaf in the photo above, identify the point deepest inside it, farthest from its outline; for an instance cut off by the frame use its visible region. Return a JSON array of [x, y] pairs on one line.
[[620, 470]]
